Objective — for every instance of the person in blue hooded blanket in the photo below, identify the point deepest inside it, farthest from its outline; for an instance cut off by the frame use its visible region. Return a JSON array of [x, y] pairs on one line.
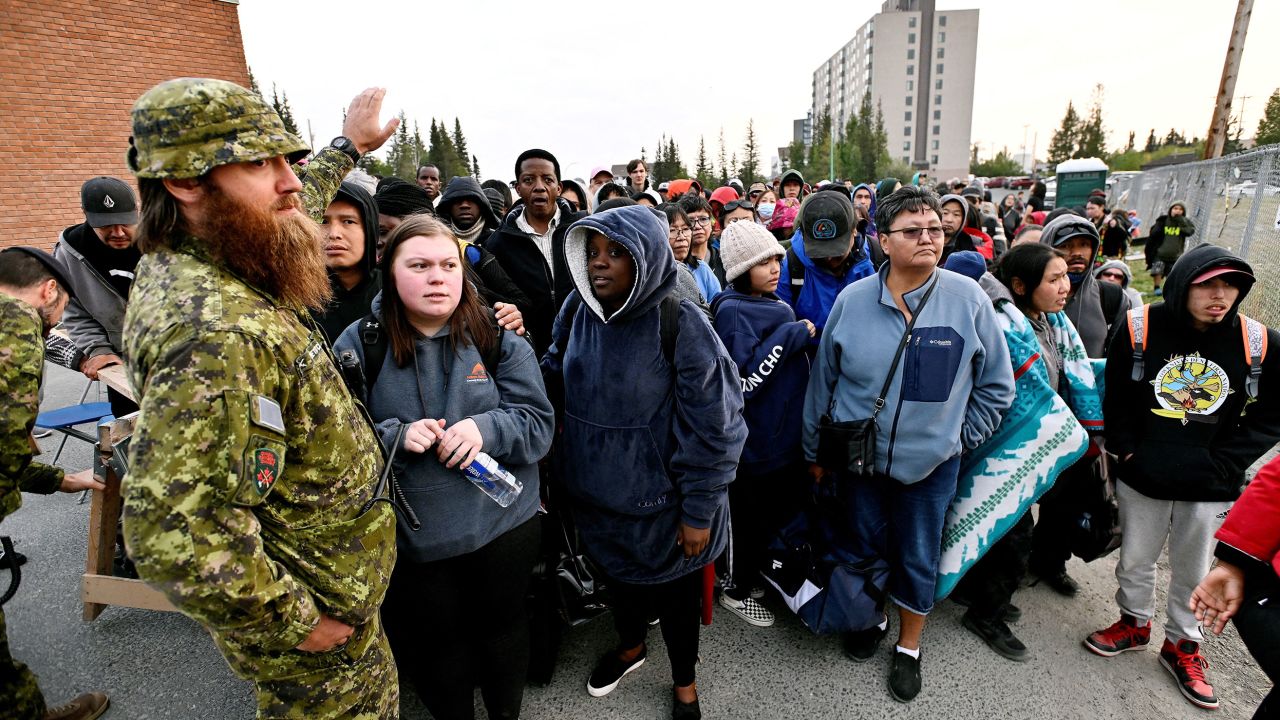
[[649, 445]]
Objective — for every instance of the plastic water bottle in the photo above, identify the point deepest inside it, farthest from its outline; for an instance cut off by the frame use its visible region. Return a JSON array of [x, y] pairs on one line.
[[496, 481]]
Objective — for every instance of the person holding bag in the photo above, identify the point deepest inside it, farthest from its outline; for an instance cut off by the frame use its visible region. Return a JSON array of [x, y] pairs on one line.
[[453, 393], [927, 341]]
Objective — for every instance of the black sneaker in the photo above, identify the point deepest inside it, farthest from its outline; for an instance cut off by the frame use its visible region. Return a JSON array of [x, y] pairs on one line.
[[861, 646], [610, 670], [1061, 582], [904, 677], [997, 635], [683, 710], [1009, 612]]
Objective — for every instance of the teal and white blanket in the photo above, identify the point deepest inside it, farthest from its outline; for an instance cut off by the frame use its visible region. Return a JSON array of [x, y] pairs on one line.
[[1040, 436]]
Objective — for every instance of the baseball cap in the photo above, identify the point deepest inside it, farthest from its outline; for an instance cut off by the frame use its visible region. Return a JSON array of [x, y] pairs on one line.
[[599, 170], [1214, 272], [826, 224], [53, 266], [108, 201]]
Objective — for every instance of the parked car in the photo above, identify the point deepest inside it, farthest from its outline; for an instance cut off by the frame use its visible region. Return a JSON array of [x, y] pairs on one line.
[[1021, 183], [996, 182], [1250, 189]]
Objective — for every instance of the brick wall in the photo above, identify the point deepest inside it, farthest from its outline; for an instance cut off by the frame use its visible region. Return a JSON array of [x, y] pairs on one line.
[[69, 73]]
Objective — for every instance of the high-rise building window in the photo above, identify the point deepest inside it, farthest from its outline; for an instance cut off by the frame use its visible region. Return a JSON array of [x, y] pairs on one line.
[[911, 21], [935, 159], [942, 37], [911, 53], [906, 146], [937, 114], [942, 21], [940, 54], [939, 68], [937, 85], [907, 131], [908, 116], [911, 69], [937, 99], [935, 144], [911, 85], [937, 129], [911, 38], [910, 99]]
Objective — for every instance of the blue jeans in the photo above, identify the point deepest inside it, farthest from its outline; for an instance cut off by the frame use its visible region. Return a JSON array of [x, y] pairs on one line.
[[903, 524]]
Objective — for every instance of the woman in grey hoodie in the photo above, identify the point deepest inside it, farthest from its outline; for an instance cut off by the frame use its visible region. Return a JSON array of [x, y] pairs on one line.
[[454, 610]]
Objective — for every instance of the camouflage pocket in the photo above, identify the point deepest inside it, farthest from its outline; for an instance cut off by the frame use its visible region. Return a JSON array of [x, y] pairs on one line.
[[256, 451]]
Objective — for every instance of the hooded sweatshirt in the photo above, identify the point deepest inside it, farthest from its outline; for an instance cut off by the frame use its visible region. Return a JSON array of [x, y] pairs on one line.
[[1168, 236], [961, 240], [349, 305], [1183, 421], [793, 176], [1135, 297], [646, 446], [101, 277], [510, 409], [1084, 309], [467, 188], [767, 343], [871, 230], [950, 390], [821, 285]]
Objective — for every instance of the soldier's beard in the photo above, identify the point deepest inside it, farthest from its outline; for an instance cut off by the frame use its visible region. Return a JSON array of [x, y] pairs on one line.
[[281, 255]]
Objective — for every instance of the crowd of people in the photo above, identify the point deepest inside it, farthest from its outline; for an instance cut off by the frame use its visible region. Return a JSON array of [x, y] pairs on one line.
[[359, 398]]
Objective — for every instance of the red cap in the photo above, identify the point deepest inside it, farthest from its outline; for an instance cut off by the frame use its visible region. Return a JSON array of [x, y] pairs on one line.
[[724, 195], [1216, 271]]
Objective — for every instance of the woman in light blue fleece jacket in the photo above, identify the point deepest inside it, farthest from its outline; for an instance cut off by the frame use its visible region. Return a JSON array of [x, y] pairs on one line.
[[949, 391]]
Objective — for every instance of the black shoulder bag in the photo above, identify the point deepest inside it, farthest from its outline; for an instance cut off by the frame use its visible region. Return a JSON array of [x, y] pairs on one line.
[[850, 445]]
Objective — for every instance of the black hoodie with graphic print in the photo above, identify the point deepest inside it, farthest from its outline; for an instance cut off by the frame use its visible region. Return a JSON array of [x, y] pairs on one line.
[[349, 306], [1185, 422]]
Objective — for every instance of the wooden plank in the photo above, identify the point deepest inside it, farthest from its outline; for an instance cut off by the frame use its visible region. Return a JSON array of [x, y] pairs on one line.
[[103, 590], [117, 378], [104, 516]]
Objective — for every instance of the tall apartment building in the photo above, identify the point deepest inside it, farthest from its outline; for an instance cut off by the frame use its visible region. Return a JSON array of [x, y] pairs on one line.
[[918, 64]]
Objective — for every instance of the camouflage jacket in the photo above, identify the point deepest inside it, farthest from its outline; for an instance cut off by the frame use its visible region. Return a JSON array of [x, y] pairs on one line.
[[321, 177], [250, 464], [21, 366]]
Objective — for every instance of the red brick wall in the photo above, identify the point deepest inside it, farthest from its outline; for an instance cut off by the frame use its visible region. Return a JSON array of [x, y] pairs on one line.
[[69, 73]]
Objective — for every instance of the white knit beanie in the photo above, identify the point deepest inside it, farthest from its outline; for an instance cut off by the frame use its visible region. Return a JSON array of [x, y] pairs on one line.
[[744, 244]]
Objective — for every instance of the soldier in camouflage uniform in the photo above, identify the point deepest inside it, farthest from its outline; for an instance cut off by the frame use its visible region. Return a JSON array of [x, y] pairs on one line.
[[250, 496], [33, 294]]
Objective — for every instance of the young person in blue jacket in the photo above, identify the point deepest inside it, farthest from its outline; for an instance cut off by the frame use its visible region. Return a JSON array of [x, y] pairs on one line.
[[649, 445], [767, 344]]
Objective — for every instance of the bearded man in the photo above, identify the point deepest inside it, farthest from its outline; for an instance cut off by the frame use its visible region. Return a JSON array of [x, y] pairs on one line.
[[250, 501]]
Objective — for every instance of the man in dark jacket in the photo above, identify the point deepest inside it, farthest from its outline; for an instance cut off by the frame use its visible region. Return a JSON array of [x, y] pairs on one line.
[[1176, 419], [350, 231], [1166, 241], [467, 210], [530, 243], [99, 258]]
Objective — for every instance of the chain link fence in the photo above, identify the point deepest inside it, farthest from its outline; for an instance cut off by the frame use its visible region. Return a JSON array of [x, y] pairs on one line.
[[1234, 202]]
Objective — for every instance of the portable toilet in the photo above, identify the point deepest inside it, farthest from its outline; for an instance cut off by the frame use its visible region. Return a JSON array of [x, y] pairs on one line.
[[1077, 178]]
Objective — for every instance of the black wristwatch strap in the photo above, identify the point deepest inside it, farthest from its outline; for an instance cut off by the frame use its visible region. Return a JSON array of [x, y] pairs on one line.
[[346, 147]]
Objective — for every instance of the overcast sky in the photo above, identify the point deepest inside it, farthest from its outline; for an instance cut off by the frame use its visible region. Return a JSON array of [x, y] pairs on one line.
[[594, 82]]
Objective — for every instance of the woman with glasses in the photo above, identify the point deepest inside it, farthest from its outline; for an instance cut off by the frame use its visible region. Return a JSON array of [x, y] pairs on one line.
[[1117, 272], [451, 385], [949, 384]]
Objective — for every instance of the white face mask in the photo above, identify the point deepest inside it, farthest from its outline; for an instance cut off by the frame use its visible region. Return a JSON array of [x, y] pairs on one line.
[[765, 210]]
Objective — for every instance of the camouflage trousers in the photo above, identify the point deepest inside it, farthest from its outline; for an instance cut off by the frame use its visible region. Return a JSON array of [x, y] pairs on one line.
[[356, 681], [20, 696]]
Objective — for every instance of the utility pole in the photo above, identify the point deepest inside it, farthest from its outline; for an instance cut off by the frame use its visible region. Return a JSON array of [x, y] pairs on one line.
[[1226, 89]]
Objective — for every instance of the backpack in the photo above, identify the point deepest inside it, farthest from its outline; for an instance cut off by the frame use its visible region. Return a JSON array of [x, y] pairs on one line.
[[373, 340], [1252, 333], [668, 321]]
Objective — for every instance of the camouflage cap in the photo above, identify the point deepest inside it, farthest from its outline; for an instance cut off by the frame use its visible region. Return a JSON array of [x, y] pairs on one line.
[[185, 127]]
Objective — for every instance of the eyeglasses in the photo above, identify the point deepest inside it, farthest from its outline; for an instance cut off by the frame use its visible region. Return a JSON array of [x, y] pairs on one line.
[[700, 222], [913, 233], [755, 194], [685, 233]]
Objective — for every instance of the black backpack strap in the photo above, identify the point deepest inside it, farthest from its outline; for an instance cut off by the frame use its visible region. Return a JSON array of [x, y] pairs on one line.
[[493, 357], [795, 273], [360, 377]]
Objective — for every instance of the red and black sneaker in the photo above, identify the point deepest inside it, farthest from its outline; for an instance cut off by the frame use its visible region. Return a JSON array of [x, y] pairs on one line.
[[1125, 634], [1187, 666]]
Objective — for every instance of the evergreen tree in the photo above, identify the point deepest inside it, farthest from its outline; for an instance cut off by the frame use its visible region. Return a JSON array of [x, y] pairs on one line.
[[253, 85], [1091, 139], [1063, 143], [750, 170], [400, 154], [1129, 147], [733, 165], [1153, 143], [419, 149], [643, 158], [280, 101], [818, 160], [674, 163], [1269, 126], [724, 160], [705, 171], [475, 168], [1175, 138], [461, 157], [883, 160]]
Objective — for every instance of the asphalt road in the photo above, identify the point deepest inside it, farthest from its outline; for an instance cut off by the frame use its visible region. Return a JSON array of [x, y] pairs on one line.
[[161, 665]]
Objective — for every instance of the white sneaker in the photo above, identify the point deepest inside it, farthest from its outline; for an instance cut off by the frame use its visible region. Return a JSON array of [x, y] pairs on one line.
[[749, 610]]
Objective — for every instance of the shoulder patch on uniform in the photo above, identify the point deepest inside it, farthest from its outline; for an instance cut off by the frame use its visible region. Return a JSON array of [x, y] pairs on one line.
[[267, 413], [265, 469]]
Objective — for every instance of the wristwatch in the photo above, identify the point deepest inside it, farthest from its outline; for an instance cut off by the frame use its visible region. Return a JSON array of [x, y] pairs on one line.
[[346, 147]]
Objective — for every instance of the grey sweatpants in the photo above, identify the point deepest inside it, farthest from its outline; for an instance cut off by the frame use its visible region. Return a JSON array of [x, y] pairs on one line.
[[1189, 529]]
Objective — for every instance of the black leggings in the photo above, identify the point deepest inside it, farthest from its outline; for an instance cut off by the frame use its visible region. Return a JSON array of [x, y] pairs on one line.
[[758, 506], [1050, 542], [1258, 622], [677, 603], [458, 623]]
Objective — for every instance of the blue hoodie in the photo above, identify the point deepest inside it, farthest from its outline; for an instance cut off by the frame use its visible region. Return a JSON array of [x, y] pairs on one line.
[[821, 286], [767, 344], [953, 384], [870, 231], [646, 446]]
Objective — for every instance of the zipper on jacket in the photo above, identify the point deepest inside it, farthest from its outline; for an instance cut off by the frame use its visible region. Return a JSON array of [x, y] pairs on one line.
[[897, 413]]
